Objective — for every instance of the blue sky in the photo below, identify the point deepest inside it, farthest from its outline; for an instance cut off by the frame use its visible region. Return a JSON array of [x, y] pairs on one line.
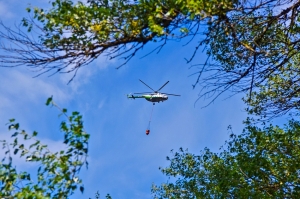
[[123, 161]]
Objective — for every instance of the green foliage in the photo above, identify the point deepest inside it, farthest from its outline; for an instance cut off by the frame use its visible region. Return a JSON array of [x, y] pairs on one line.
[[80, 32], [57, 174], [259, 163], [101, 21], [256, 52], [280, 94]]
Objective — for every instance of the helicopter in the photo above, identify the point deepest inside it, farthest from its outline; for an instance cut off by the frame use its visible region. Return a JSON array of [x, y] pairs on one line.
[[154, 96]]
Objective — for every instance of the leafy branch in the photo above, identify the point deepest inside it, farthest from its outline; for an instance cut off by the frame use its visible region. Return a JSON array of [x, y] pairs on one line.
[[57, 174]]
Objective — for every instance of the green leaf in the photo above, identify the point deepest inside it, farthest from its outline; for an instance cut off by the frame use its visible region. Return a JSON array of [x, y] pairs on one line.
[[34, 134], [15, 134], [16, 151], [49, 100], [81, 189], [13, 126], [11, 120]]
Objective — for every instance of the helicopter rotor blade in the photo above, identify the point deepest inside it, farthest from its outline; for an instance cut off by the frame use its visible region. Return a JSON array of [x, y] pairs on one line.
[[144, 93], [163, 86], [146, 85], [171, 94]]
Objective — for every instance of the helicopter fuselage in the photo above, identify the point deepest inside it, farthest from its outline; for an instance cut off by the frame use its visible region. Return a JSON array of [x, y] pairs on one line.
[[158, 97], [155, 97]]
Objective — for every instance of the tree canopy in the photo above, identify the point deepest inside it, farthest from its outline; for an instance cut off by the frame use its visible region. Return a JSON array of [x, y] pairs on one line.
[[57, 172], [252, 46], [259, 163]]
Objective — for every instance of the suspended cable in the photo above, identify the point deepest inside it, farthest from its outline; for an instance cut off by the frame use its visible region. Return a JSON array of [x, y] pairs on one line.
[[148, 129]]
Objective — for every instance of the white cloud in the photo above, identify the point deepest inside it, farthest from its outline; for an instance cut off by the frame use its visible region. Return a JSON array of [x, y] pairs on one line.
[[84, 74], [5, 12], [16, 85], [103, 62], [101, 103]]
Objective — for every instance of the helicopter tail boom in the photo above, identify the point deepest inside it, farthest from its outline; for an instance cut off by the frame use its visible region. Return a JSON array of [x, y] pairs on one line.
[[134, 96]]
